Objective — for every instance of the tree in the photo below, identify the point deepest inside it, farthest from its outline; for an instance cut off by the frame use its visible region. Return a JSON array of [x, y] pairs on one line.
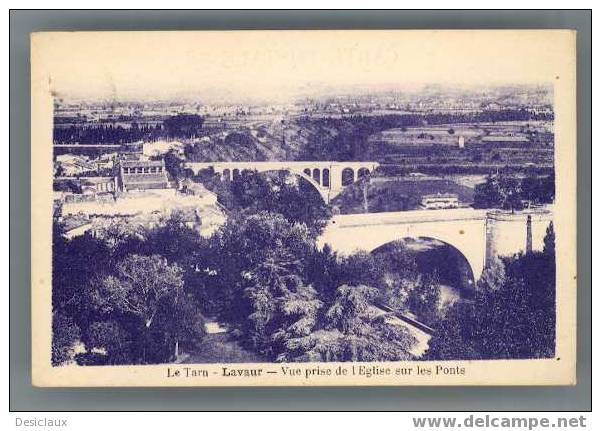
[[549, 241], [354, 330], [249, 188], [184, 125], [513, 321], [391, 269], [361, 268], [266, 283], [248, 251], [324, 272], [65, 333], [264, 270], [121, 237], [298, 201], [174, 240], [215, 183], [297, 318], [277, 192], [488, 194], [300, 305], [500, 191], [116, 342], [141, 286], [273, 288], [398, 289], [174, 164], [259, 282], [144, 290], [74, 263], [184, 323], [424, 298], [453, 338], [511, 193], [476, 157], [537, 189], [493, 277], [136, 299]]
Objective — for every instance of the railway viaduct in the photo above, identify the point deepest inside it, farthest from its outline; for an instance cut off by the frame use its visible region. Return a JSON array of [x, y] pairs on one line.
[[329, 178]]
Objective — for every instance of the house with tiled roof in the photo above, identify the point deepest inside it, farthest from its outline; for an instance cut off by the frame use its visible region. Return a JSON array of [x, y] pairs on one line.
[[142, 175]]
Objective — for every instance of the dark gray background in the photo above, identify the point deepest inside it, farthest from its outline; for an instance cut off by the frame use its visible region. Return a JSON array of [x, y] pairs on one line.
[[24, 397]]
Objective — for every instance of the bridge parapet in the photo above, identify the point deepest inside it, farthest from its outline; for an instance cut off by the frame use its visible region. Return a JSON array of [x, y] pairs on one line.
[[477, 234], [542, 213], [404, 217]]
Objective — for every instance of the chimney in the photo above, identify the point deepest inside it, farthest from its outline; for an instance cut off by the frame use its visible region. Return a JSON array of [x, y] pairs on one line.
[[529, 234]]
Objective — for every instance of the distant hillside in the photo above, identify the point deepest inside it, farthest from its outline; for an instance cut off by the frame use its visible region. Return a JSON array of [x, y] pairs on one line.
[[393, 139], [264, 141], [397, 194]]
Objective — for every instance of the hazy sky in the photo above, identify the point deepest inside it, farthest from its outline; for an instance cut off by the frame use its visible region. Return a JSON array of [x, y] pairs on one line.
[[276, 65]]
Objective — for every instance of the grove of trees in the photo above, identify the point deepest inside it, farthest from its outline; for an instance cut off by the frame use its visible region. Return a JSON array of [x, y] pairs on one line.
[[512, 314], [135, 295], [509, 192], [122, 294], [277, 192], [178, 126]]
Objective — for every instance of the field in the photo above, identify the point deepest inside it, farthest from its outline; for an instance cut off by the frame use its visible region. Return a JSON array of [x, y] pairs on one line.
[[449, 134]]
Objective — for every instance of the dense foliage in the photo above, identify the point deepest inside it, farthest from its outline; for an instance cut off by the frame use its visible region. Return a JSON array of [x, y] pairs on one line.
[[184, 126], [263, 278], [65, 334], [130, 294], [509, 192], [280, 192], [125, 302], [511, 316], [257, 275], [353, 330], [176, 127]]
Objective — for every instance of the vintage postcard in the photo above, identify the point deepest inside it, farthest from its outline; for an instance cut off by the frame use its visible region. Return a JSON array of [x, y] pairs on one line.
[[247, 208]]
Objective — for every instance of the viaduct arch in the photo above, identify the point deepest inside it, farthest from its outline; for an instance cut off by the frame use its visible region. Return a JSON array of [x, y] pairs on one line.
[[477, 234], [328, 177], [454, 268]]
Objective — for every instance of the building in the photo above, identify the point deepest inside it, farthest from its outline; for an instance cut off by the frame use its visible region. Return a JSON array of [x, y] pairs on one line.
[[73, 165], [141, 175], [440, 201], [97, 184], [75, 226]]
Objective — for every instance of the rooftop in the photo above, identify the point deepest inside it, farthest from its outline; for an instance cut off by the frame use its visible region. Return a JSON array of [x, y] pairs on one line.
[[71, 223], [141, 163], [144, 178], [95, 180], [441, 195]]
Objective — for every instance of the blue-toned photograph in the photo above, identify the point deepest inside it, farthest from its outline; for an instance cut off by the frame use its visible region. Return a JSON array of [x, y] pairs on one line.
[[312, 217]]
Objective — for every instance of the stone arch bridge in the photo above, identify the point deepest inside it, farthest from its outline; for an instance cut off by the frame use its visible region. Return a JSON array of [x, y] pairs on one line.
[[329, 178], [476, 234]]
